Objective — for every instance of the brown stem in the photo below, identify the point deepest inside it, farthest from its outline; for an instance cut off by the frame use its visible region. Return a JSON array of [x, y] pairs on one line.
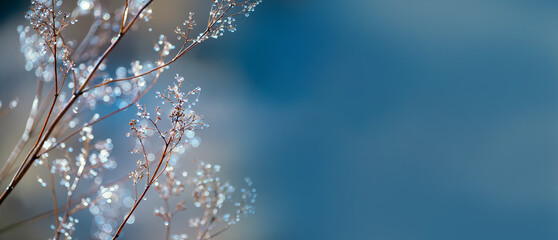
[[178, 55], [130, 213], [75, 203], [39, 143], [136, 99], [35, 152], [55, 203], [149, 182], [72, 190]]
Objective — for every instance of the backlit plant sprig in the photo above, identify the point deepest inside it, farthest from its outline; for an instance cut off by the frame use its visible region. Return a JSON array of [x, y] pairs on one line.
[[84, 70], [65, 105], [212, 195], [171, 186], [89, 163], [181, 119], [111, 204], [74, 79], [208, 191]]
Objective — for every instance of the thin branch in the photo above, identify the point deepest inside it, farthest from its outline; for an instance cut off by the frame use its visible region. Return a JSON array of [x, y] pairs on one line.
[[34, 154], [135, 99], [26, 133], [54, 202], [149, 183], [49, 213], [176, 57]]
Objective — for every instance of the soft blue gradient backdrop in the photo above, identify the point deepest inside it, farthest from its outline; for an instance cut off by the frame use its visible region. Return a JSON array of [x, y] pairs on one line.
[[406, 119], [394, 119]]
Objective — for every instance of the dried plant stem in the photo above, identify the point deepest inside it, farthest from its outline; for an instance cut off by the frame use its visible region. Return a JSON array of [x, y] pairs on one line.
[[135, 100], [226, 226], [180, 53], [85, 41], [168, 220], [38, 144], [51, 212], [26, 134], [34, 154], [53, 49], [50, 125], [124, 15], [149, 183], [40, 111], [54, 202], [136, 204], [71, 192]]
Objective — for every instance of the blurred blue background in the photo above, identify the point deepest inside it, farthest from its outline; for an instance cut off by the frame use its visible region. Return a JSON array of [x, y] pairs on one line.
[[393, 119]]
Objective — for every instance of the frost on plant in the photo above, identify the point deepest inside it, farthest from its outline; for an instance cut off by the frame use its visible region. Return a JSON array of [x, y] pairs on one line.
[[211, 194], [78, 87]]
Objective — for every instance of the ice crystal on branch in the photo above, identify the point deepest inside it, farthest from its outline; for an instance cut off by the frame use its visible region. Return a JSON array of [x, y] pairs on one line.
[[181, 119], [209, 192], [47, 21]]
